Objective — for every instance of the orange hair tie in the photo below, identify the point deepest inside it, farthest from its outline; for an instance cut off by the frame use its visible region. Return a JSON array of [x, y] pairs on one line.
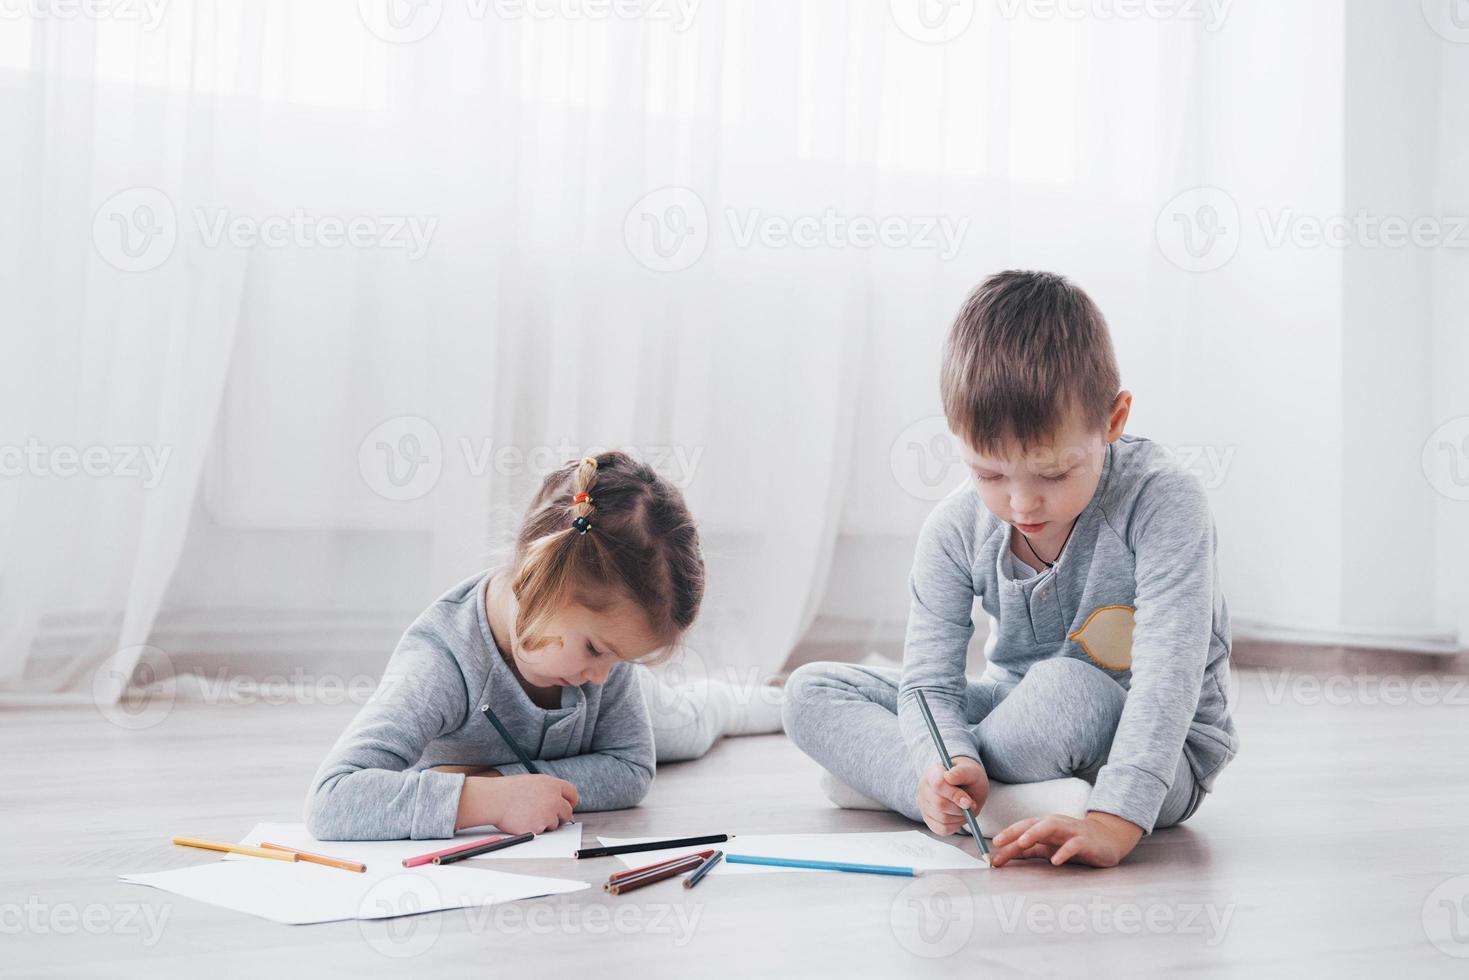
[[582, 498]]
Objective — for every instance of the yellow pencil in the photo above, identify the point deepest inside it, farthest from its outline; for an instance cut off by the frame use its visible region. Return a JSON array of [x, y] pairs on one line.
[[214, 845], [321, 859]]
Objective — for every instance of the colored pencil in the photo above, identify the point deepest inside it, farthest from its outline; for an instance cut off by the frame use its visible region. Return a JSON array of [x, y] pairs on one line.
[[428, 858], [703, 869], [871, 869], [321, 859], [214, 845], [485, 848], [510, 741], [657, 874], [652, 845], [634, 872], [938, 743]]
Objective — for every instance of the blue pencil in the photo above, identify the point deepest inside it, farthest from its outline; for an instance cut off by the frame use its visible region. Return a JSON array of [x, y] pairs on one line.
[[870, 869]]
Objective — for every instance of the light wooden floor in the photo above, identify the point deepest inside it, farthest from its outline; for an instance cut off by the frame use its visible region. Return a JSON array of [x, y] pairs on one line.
[[1319, 855]]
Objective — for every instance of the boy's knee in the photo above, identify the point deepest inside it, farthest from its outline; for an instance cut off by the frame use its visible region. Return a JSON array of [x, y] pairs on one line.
[[1086, 699], [807, 683], [1068, 675]]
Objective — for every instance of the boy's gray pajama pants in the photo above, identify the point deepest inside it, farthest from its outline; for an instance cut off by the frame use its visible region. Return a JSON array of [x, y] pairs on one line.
[[1057, 721]]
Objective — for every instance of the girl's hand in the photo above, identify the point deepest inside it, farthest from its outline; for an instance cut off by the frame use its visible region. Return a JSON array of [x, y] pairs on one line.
[[529, 804], [944, 794], [1101, 840]]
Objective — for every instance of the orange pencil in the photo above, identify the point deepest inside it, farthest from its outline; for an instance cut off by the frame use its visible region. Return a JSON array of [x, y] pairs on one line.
[[330, 862], [214, 845]]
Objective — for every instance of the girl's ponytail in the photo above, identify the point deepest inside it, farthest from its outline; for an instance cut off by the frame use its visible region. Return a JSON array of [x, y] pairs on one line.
[[604, 528]]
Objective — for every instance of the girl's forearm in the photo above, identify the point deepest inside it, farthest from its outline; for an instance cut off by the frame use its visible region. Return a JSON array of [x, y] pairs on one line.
[[478, 801]]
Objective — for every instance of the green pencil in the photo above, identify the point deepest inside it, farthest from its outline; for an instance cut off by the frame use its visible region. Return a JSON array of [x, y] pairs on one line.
[[938, 743]]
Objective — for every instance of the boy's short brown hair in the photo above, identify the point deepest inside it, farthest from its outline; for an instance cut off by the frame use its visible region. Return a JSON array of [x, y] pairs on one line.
[[1023, 349]]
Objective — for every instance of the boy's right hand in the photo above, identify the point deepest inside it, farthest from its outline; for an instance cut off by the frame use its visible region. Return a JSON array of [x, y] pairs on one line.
[[528, 804], [944, 794]]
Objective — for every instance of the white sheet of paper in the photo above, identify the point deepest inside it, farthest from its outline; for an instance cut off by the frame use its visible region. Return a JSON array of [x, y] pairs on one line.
[[378, 854], [905, 848], [297, 893]]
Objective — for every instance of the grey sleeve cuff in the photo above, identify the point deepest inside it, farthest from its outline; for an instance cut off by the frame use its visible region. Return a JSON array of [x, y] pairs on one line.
[[436, 806], [1133, 794]]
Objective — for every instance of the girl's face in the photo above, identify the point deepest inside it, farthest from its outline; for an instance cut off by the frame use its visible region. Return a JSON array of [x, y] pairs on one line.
[[585, 644]]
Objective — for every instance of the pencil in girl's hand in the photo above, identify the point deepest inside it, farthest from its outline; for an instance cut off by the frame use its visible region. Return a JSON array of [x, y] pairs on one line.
[[703, 869], [510, 740], [321, 859], [938, 743], [214, 845], [459, 854]]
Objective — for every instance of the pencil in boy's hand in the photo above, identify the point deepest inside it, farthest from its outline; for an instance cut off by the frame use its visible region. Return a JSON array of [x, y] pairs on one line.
[[938, 742]]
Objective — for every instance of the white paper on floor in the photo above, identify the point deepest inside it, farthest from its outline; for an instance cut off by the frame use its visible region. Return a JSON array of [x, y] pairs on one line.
[[297, 893], [906, 848], [560, 843]]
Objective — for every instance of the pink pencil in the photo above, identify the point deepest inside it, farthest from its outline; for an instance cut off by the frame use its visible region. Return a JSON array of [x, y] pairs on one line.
[[414, 862]]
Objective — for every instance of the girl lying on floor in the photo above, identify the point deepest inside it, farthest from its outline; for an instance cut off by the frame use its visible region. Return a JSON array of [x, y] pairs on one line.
[[606, 578]]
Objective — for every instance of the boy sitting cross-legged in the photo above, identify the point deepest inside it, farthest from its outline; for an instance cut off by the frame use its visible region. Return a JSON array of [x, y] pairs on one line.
[[1093, 553]]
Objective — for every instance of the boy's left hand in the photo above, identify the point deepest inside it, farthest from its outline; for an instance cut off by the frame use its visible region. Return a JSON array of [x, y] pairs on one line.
[[1101, 840]]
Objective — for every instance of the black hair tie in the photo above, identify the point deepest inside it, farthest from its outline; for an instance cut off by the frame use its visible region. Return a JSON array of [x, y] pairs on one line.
[[582, 524]]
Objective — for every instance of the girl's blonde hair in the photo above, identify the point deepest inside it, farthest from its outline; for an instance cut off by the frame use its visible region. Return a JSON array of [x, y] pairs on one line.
[[602, 529]]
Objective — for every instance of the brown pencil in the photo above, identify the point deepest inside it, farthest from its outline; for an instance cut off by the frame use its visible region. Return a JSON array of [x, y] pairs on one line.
[[322, 859], [634, 872], [668, 870]]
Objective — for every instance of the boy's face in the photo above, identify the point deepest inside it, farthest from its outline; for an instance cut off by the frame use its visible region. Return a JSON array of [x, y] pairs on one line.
[[1041, 488]]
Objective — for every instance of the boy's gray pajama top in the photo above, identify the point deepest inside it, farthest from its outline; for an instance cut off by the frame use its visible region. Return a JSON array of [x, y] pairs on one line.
[[1135, 593]]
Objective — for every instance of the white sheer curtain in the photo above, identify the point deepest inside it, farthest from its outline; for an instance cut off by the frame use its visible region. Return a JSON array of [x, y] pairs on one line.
[[117, 333], [416, 260]]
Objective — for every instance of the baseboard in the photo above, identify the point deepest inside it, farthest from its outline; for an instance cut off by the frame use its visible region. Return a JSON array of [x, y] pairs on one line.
[[356, 641]]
